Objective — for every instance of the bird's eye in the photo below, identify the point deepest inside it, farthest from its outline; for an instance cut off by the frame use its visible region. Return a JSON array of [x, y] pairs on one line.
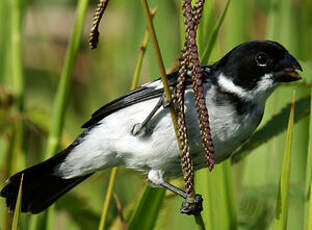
[[262, 59]]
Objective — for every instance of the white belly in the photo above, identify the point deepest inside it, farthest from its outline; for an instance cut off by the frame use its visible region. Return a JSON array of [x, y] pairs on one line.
[[111, 143]]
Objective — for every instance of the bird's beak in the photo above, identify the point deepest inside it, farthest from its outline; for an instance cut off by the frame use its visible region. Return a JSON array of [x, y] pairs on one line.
[[285, 70]]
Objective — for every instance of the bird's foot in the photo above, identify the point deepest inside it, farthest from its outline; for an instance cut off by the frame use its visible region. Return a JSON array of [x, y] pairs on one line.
[[192, 206], [137, 128]]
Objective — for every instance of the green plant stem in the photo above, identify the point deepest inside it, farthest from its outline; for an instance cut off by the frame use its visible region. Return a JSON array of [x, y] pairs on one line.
[[62, 98], [15, 158], [17, 83], [160, 63], [108, 198], [134, 84], [138, 66], [308, 206], [151, 30]]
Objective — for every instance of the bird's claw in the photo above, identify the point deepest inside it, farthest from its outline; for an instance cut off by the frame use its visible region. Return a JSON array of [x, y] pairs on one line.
[[137, 128], [165, 103], [192, 207]]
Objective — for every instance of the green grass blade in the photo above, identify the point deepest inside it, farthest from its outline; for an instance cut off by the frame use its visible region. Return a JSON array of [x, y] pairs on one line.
[[309, 226], [308, 202], [213, 37], [272, 128], [206, 26], [280, 221], [17, 209], [147, 210], [219, 202], [309, 222]]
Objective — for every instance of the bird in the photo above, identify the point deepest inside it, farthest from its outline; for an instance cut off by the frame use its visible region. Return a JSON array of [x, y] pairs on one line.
[[135, 130]]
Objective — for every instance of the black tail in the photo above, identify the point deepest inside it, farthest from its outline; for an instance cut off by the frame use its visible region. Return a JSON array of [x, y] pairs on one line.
[[41, 187]]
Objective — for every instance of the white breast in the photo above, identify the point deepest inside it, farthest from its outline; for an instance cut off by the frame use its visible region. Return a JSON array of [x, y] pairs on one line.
[[229, 129]]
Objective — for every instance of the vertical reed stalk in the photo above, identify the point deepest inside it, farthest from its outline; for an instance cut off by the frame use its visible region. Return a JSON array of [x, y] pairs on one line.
[[17, 83], [308, 185], [16, 158], [281, 214], [62, 98], [108, 198]]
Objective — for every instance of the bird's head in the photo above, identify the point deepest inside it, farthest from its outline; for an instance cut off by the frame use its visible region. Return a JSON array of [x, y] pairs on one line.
[[256, 67]]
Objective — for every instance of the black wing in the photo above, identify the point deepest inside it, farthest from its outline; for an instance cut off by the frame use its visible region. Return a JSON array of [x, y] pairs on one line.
[[139, 94], [142, 93]]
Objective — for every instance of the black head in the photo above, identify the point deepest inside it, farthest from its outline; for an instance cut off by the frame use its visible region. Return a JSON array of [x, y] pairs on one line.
[[247, 63]]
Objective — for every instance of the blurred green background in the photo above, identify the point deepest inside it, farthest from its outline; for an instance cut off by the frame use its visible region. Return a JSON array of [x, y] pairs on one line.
[[34, 37]]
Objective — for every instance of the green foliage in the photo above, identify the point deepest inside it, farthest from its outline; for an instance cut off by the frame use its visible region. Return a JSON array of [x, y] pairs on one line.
[[61, 101], [213, 35], [235, 197], [219, 203], [308, 181], [147, 209]]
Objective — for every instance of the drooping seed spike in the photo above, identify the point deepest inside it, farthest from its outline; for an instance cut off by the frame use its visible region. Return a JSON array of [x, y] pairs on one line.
[[94, 32], [189, 61]]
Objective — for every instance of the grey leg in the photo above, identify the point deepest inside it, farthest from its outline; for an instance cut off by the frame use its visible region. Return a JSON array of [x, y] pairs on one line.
[[173, 189], [190, 206], [137, 128]]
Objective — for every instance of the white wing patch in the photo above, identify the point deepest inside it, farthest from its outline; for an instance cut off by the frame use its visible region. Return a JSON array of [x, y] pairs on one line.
[[154, 84]]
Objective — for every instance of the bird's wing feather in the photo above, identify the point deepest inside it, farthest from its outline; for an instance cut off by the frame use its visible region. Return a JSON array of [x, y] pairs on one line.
[[145, 92], [142, 93]]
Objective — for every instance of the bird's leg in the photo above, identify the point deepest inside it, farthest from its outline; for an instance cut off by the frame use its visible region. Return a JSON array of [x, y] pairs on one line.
[[137, 128], [173, 189], [189, 206]]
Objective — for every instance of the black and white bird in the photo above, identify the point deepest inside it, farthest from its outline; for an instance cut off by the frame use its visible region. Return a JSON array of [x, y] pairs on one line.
[[236, 88]]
